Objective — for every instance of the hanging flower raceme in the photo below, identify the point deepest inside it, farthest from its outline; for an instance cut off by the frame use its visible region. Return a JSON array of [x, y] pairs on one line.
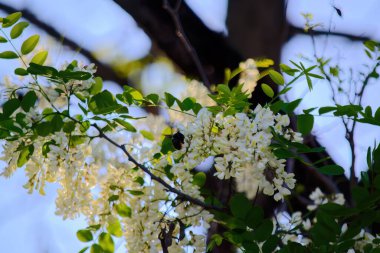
[[241, 145]]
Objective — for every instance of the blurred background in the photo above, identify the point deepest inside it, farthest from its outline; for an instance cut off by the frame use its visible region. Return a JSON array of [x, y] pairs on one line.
[[133, 42]]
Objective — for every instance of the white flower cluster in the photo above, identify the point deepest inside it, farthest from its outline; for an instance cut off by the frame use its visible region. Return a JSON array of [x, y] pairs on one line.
[[72, 86], [196, 90], [241, 146], [319, 198], [292, 224], [361, 240], [64, 164], [248, 76], [294, 227]]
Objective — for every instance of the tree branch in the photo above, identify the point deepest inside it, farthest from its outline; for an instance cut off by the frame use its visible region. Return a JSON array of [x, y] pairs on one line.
[[296, 30], [185, 41], [214, 51], [154, 177]]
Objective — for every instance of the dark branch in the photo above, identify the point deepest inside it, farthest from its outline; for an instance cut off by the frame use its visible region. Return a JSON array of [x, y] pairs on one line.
[[185, 41], [214, 51], [154, 177], [296, 30]]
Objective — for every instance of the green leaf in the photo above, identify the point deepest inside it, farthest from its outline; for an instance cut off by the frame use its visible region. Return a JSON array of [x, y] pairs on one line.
[[68, 127], [29, 44], [56, 123], [187, 104], [25, 154], [106, 242], [154, 98], [10, 107], [305, 123], [326, 109], [114, 227], [95, 227], [267, 90], [136, 95], [264, 63], [21, 72], [276, 77], [264, 230], [140, 180], [167, 145], [370, 44], [239, 206], [147, 135], [123, 210], [103, 103], [8, 55], [84, 235], [11, 19], [199, 179], [369, 158], [96, 248], [28, 101], [270, 244], [18, 29], [76, 140], [136, 193], [169, 99], [254, 217], [40, 57], [97, 86], [331, 170], [315, 76], [3, 40], [334, 71], [309, 83], [113, 198], [251, 247], [36, 69], [288, 70], [307, 111], [74, 75], [83, 250], [377, 114], [348, 110], [44, 129], [290, 107], [127, 126]]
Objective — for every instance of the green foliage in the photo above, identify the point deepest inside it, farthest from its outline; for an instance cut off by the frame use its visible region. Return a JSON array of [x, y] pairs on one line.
[[40, 58], [29, 44], [84, 235], [305, 123], [123, 210], [267, 90], [229, 101], [199, 179], [11, 19], [18, 29]]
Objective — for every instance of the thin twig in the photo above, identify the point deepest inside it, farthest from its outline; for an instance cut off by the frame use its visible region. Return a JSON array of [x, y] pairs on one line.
[[154, 177], [185, 41]]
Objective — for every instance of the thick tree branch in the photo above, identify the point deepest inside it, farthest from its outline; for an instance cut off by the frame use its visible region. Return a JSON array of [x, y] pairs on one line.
[[214, 51]]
